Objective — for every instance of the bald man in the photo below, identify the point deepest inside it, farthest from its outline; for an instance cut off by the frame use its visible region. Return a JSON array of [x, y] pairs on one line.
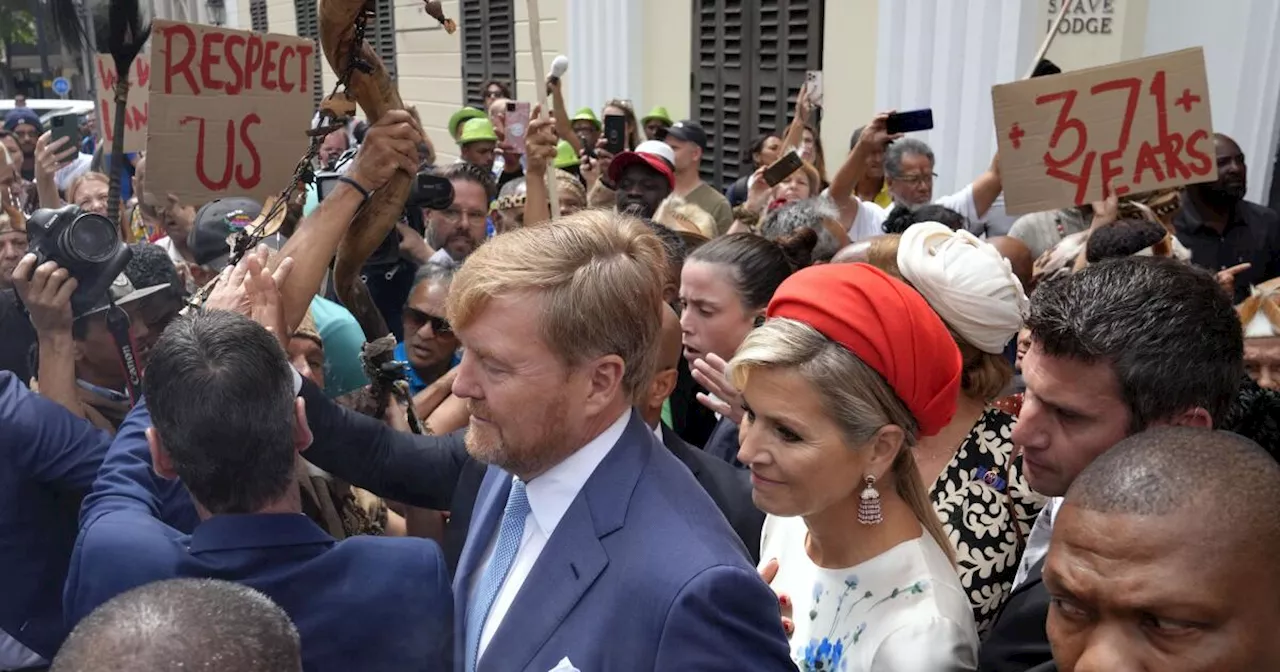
[[184, 624], [1019, 256], [730, 488], [1163, 557]]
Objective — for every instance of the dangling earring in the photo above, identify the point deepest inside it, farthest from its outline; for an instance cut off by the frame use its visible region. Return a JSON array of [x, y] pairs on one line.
[[759, 321], [869, 508]]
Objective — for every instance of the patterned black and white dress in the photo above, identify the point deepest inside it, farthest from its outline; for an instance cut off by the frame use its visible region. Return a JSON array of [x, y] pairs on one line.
[[978, 497]]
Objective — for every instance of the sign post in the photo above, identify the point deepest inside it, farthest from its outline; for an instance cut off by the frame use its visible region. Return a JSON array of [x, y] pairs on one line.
[[1078, 137], [61, 87], [229, 110]]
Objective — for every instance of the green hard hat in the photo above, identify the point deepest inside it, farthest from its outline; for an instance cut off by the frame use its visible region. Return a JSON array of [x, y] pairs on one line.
[[660, 113], [462, 115], [586, 114], [565, 156], [477, 130]]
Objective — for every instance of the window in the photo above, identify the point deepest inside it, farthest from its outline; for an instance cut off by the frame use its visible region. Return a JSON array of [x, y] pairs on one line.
[[258, 15], [750, 59], [381, 34], [309, 27], [488, 46]]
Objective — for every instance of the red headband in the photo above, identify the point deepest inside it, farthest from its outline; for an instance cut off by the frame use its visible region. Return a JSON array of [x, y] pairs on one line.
[[887, 325]]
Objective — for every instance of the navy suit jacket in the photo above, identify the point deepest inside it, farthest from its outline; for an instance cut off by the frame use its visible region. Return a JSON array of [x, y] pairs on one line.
[[1018, 640], [723, 442], [48, 461], [642, 573], [729, 488], [366, 603]]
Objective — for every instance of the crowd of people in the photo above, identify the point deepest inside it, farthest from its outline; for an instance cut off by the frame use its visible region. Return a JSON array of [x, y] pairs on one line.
[[817, 421]]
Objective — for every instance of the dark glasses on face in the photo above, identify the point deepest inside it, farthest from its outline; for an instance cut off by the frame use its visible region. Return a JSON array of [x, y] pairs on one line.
[[414, 319]]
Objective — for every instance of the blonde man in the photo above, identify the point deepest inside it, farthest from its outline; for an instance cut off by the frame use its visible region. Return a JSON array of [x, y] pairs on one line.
[[580, 509]]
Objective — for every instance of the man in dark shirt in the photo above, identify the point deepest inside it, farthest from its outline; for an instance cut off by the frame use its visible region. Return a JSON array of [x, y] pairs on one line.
[[1225, 233]]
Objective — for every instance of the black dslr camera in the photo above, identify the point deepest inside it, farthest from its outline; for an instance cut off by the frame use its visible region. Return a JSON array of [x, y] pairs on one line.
[[427, 191], [86, 244]]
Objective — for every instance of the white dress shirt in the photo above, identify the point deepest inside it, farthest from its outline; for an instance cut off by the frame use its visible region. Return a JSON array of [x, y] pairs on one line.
[[1037, 541], [869, 221], [550, 496], [15, 656]]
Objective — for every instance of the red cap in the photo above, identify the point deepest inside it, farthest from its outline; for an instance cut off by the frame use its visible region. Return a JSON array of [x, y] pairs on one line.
[[887, 325], [621, 161]]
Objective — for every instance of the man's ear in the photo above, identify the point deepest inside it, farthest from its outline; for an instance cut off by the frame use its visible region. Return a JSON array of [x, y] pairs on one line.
[[302, 436], [664, 383], [605, 379], [160, 461], [1196, 417]]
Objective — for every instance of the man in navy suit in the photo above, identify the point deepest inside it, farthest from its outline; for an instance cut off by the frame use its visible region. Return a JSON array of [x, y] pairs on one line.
[[227, 421], [591, 545]]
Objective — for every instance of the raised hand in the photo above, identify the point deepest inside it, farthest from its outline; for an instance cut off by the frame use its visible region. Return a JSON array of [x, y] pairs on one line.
[[727, 400]]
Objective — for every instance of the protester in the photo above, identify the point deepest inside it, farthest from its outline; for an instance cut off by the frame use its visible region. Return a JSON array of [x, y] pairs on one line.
[[1043, 230], [587, 127], [430, 347], [901, 219], [970, 467], [1260, 316], [817, 214], [461, 117], [804, 183], [333, 145], [763, 152], [655, 123], [872, 187], [457, 231], [725, 287], [507, 211], [688, 141], [495, 89], [1098, 370], [13, 245], [89, 192], [15, 190], [642, 178], [685, 218], [25, 127], [1238, 239], [184, 624], [836, 392], [222, 398], [619, 107], [477, 143], [1129, 592]]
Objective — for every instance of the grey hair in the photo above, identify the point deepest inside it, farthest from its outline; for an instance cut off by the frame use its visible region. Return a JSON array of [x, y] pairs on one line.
[[810, 214], [515, 187], [900, 148], [854, 395], [436, 274], [184, 624]]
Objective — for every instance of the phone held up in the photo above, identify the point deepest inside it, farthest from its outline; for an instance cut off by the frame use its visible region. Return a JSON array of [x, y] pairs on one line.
[[65, 125], [909, 122], [780, 169], [615, 133], [517, 126], [813, 80]]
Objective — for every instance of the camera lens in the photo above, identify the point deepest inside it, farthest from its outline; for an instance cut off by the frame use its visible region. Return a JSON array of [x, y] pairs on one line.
[[90, 239]]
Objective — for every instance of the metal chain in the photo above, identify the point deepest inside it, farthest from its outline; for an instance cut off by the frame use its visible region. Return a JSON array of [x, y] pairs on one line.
[[247, 239]]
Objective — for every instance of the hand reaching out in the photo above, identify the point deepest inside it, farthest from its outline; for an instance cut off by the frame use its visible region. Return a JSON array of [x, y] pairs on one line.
[[46, 293], [249, 290], [50, 157], [727, 401], [540, 143], [770, 572]]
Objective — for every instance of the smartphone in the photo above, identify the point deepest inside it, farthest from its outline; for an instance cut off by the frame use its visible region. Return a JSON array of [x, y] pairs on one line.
[[909, 122], [517, 126], [65, 125], [814, 79], [780, 169], [615, 133]]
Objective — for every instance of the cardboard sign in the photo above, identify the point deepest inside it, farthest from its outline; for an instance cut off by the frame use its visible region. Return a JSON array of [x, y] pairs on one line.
[[229, 112], [1132, 127], [137, 107]]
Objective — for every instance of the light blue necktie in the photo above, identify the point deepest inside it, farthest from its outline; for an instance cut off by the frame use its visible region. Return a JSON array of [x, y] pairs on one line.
[[510, 531]]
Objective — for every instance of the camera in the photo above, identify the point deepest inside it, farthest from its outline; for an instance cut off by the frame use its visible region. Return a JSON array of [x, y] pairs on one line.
[[431, 192], [88, 245]]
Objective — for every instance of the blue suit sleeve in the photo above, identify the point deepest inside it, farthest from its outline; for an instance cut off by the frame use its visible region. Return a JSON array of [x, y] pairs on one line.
[[725, 619], [45, 442]]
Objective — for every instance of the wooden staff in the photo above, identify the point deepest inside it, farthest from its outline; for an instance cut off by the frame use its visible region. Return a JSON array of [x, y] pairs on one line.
[[540, 82], [1048, 39]]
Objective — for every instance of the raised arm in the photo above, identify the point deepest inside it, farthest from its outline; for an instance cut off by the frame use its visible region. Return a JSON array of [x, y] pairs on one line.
[[46, 444], [874, 137], [50, 158], [46, 292], [540, 148], [987, 187], [564, 128], [795, 132]]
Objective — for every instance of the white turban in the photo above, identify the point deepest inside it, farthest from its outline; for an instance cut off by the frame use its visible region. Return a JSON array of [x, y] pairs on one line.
[[966, 281]]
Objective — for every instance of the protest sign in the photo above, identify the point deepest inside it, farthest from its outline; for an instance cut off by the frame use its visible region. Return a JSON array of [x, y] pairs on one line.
[[136, 109], [229, 112], [1132, 127]]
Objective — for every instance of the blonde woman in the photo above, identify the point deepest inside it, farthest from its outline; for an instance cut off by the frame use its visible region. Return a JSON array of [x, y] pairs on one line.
[[851, 369]]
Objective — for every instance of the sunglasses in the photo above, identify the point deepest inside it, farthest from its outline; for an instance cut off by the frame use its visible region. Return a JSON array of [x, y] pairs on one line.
[[414, 319]]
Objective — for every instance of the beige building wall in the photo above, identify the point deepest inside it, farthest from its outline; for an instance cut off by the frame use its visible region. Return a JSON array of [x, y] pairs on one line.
[[1095, 33], [848, 73], [429, 70], [667, 57]]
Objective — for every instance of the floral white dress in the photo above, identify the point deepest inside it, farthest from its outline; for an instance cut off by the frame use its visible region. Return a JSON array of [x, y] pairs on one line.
[[901, 611]]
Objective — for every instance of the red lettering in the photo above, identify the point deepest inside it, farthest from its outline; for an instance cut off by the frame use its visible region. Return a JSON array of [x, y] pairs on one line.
[[208, 59], [252, 60], [138, 117], [1110, 170], [1064, 123], [183, 66], [256, 176], [1201, 165], [1147, 161], [233, 62], [285, 85], [269, 66], [212, 185], [304, 57], [108, 131], [142, 67], [107, 75], [1081, 181]]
